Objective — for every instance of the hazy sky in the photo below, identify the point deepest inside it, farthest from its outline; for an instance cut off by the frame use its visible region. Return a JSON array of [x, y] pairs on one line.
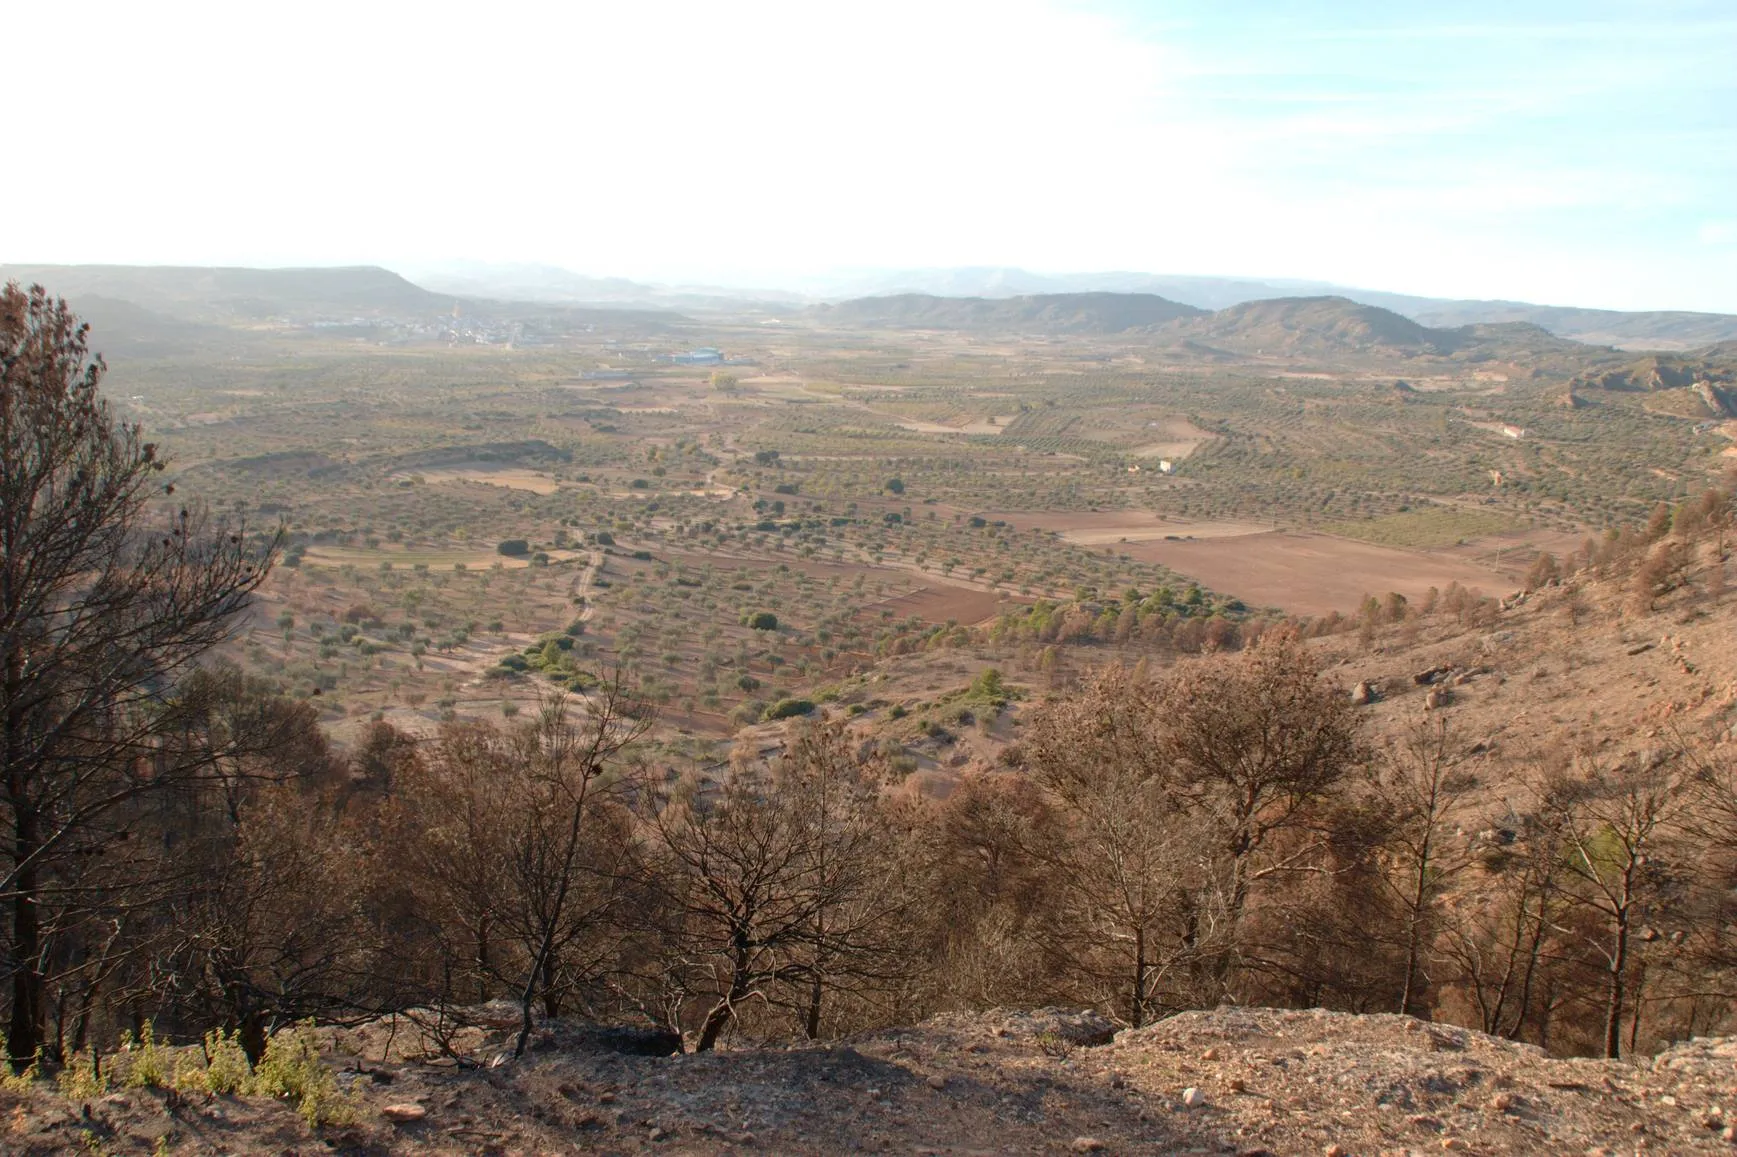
[[1574, 152]]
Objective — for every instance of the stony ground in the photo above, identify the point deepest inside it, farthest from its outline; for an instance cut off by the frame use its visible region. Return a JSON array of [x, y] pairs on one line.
[[1246, 1081]]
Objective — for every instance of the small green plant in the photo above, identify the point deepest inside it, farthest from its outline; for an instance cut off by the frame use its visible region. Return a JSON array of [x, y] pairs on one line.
[[149, 1064], [291, 1069], [226, 1067], [219, 1066], [83, 1077]]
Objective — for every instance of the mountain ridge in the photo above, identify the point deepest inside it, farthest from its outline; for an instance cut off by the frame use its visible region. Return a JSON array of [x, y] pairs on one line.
[[1639, 329]]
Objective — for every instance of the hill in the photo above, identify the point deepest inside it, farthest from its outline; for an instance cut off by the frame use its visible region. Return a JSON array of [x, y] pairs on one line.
[[1039, 313], [1293, 325], [227, 295], [1644, 329], [1309, 327], [1650, 329]]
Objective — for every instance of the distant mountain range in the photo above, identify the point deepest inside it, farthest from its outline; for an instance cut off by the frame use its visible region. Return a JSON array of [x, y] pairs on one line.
[[1654, 329], [145, 304], [1309, 326], [1039, 313]]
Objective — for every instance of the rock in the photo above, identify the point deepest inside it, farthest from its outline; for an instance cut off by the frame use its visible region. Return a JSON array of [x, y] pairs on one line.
[[1336, 1150], [1087, 1145], [937, 1082], [404, 1113], [1363, 694], [1502, 1102], [1437, 698], [1193, 1098], [1082, 1028]]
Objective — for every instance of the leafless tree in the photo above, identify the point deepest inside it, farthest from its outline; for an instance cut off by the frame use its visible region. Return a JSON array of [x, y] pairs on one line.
[[1421, 787], [1128, 897], [784, 880], [1617, 826], [1256, 741]]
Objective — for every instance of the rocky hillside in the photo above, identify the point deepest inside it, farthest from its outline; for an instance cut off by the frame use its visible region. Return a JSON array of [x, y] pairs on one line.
[[1246, 1081]]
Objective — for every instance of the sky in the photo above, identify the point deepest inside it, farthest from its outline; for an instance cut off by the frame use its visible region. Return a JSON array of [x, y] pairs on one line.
[[1560, 151]]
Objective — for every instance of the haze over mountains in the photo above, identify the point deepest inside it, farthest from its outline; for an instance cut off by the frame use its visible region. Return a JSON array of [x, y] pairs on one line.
[[140, 307], [1652, 329]]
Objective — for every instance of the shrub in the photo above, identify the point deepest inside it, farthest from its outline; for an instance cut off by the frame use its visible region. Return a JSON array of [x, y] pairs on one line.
[[291, 1069], [82, 1079], [786, 708], [514, 547], [149, 1064], [226, 1067], [761, 621]]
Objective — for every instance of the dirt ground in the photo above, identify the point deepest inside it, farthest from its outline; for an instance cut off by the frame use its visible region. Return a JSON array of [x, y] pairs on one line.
[[1312, 574], [1253, 1082], [941, 603], [1107, 527]]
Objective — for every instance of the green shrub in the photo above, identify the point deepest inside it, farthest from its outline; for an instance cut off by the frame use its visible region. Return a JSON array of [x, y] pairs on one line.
[[786, 708], [226, 1068], [149, 1065], [292, 1070], [514, 547], [83, 1078], [761, 621]]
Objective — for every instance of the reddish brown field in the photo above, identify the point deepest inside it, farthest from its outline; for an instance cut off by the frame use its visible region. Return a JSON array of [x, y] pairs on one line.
[[1312, 574], [940, 603]]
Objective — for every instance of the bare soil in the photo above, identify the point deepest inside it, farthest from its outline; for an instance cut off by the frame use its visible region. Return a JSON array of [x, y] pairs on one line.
[[1244, 1081], [1313, 574], [940, 604]]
